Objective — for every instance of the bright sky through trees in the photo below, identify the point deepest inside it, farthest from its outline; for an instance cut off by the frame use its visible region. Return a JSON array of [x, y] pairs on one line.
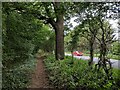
[[114, 24]]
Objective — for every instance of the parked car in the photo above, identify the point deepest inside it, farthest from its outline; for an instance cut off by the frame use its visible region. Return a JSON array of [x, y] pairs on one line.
[[76, 53]]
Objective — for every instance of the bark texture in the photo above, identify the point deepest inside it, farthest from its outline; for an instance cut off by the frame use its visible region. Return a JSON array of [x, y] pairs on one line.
[[59, 32]]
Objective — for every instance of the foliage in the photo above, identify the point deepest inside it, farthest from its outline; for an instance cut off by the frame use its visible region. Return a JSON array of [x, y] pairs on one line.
[[18, 76], [23, 35], [77, 74], [111, 56], [16, 40], [77, 41], [115, 49], [74, 40], [44, 38], [116, 75]]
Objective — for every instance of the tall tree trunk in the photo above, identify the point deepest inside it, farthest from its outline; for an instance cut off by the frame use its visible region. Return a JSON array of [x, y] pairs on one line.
[[59, 31], [59, 51]]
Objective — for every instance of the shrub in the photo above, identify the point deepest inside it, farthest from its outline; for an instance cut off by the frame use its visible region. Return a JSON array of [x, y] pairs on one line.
[[76, 73]]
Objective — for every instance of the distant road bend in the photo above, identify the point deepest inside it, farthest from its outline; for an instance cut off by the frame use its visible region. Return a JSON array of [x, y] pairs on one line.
[[115, 63]]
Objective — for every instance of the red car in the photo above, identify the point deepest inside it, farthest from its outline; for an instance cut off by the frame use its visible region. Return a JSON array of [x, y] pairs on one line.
[[76, 53]]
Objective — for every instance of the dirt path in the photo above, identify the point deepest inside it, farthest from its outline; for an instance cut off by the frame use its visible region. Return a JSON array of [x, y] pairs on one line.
[[39, 77]]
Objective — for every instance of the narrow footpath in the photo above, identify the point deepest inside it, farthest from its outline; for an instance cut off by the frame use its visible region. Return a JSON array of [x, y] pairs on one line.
[[39, 78]]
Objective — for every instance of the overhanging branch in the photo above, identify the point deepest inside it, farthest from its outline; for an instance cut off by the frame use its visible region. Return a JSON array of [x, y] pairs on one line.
[[36, 14]]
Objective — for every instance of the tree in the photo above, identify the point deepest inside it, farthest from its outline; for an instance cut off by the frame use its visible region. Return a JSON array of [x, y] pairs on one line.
[[105, 39], [51, 13], [15, 37], [115, 48], [21, 35], [73, 42], [92, 12], [91, 29], [88, 26], [24, 33]]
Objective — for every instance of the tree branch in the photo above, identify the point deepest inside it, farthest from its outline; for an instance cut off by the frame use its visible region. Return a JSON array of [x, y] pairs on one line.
[[36, 14]]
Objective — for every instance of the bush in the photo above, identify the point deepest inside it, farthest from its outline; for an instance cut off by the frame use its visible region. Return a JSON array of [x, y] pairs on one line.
[[76, 74]]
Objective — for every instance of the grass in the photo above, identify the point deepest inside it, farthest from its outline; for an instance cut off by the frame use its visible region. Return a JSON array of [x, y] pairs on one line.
[[76, 73], [68, 52], [117, 57]]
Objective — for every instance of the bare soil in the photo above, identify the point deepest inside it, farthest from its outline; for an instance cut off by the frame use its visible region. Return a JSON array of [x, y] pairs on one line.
[[39, 78]]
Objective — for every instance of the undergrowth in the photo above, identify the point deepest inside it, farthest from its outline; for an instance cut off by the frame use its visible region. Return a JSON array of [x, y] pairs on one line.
[[76, 74], [18, 76]]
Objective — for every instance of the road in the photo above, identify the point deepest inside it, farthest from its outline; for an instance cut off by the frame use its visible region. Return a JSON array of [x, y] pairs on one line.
[[115, 63]]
